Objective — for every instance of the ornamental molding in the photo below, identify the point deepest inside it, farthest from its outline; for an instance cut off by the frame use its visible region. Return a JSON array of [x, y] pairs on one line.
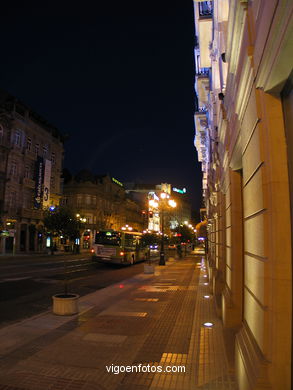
[[236, 23], [276, 62]]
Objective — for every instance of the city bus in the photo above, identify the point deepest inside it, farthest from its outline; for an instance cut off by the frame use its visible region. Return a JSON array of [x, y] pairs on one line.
[[119, 247]]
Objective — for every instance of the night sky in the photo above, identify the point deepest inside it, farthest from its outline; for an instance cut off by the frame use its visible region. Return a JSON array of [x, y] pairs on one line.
[[118, 78]]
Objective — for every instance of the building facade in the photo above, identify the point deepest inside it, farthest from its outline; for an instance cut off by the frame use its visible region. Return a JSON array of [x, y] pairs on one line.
[[244, 122], [103, 202], [31, 156]]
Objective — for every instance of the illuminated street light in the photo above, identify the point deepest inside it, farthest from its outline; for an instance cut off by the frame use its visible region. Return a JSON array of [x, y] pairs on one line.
[[164, 204], [172, 203], [153, 203]]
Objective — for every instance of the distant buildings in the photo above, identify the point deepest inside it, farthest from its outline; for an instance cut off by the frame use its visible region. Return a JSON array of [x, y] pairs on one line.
[[31, 155], [243, 120], [103, 202], [173, 216]]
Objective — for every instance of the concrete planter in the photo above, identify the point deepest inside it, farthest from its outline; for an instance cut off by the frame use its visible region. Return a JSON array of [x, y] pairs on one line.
[[149, 268], [65, 304]]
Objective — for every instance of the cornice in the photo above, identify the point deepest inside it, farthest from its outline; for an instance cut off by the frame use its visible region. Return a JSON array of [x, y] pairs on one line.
[[276, 63]]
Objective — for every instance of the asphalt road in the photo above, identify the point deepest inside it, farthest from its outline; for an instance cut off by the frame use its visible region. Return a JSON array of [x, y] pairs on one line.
[[28, 283]]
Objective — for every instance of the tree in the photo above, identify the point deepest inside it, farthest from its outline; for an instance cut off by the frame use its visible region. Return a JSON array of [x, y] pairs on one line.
[[184, 233], [150, 239], [61, 221]]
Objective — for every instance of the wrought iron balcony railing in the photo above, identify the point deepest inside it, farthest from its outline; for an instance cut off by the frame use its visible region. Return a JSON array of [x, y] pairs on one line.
[[205, 9]]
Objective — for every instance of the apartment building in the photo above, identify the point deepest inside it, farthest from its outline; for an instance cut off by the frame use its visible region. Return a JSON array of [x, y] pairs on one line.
[[244, 122], [102, 201], [31, 155]]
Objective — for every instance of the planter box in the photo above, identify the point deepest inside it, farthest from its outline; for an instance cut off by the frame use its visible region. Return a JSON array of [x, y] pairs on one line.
[[65, 304], [149, 268]]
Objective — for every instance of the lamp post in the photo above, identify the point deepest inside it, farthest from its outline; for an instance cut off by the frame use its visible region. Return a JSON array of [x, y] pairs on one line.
[[165, 202]]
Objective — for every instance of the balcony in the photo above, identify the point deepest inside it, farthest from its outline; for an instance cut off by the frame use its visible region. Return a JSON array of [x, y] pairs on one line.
[[204, 26], [205, 9], [202, 86], [201, 139]]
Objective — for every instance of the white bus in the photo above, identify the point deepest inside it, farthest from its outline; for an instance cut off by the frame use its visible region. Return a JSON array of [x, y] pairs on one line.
[[119, 247]]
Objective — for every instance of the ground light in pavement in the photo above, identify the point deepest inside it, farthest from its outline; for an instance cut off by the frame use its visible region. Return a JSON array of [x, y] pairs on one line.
[[208, 324]]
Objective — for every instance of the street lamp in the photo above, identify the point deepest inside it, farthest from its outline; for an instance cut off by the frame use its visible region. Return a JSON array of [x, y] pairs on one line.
[[165, 203]]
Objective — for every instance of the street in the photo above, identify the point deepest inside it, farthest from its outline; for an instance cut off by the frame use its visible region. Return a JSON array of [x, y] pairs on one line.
[[28, 283]]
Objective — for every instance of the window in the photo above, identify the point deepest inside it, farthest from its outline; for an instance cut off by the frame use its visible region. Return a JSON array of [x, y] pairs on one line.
[[13, 168], [12, 199], [17, 138], [37, 148], [88, 218], [28, 144], [28, 200], [79, 200], [1, 134], [27, 172], [88, 199], [53, 158], [45, 150]]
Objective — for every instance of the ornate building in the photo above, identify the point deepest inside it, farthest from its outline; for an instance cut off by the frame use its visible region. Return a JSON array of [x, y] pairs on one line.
[[244, 121], [31, 155], [102, 201]]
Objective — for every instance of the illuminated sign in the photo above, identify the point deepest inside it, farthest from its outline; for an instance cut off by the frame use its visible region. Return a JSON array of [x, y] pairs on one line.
[[183, 191], [117, 182]]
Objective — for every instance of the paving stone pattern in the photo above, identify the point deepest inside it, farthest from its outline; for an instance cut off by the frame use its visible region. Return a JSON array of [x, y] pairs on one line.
[[154, 320]]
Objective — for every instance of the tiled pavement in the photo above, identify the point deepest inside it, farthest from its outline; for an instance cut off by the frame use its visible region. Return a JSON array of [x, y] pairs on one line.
[[154, 320]]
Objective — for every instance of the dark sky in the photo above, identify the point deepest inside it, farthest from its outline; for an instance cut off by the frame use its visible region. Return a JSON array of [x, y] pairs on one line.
[[118, 78]]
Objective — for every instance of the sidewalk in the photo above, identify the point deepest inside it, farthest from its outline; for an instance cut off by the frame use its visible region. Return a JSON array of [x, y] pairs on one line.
[[154, 320]]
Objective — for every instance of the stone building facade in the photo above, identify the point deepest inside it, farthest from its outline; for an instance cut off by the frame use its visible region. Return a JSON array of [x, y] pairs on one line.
[[31, 156], [244, 122], [102, 201]]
